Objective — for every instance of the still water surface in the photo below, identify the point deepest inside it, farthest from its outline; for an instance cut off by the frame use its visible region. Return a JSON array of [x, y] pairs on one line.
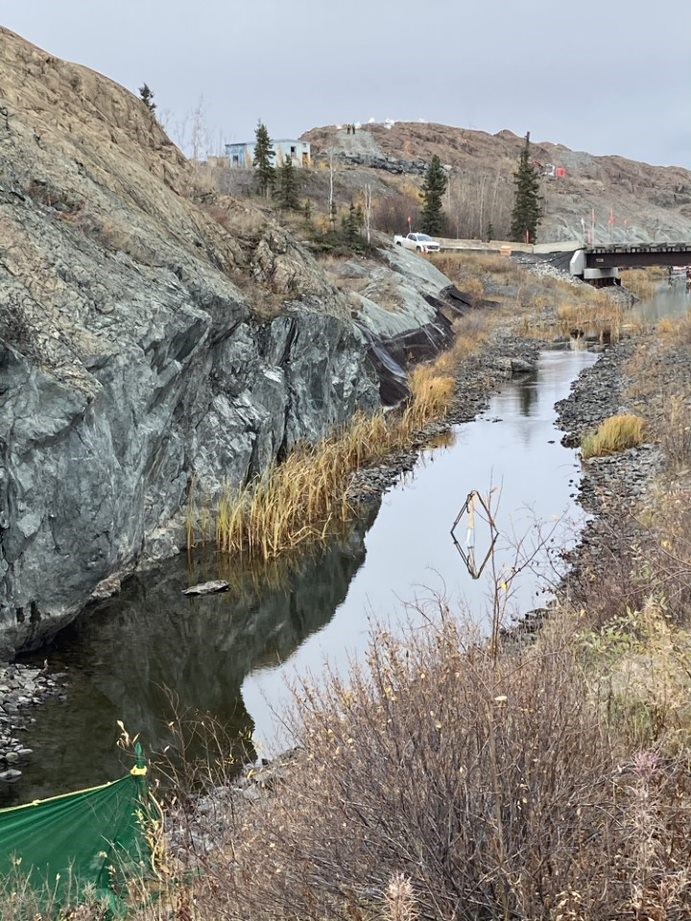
[[670, 300], [231, 654]]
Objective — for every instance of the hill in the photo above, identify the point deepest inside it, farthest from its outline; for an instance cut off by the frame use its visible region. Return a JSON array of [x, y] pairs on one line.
[[631, 200]]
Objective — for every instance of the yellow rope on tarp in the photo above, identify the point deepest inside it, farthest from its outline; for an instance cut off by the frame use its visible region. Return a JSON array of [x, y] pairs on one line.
[[53, 799]]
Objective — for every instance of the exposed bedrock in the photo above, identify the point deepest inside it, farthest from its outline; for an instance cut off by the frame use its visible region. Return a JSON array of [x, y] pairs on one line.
[[154, 338]]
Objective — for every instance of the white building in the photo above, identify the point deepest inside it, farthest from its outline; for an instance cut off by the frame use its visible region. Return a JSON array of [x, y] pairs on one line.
[[242, 154]]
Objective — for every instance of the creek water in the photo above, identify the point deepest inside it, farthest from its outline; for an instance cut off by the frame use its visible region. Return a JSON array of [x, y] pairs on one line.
[[231, 654], [669, 300]]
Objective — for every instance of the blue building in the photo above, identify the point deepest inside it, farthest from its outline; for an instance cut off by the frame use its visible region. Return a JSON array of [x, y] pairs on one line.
[[242, 155]]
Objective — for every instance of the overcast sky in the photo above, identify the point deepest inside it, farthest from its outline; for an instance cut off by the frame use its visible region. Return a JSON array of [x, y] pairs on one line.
[[607, 76]]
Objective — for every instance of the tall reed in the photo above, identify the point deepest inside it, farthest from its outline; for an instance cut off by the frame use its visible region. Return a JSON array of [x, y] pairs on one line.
[[300, 499]]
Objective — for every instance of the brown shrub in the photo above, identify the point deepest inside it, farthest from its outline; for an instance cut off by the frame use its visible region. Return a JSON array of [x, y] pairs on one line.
[[491, 785]]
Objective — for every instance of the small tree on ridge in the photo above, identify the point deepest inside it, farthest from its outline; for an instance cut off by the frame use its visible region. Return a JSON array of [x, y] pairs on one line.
[[432, 217], [147, 97]]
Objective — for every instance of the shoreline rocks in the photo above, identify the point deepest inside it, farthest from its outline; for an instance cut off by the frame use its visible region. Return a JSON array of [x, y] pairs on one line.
[[609, 485], [22, 688]]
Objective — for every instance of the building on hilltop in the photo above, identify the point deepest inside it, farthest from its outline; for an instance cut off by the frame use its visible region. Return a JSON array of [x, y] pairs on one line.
[[299, 152]]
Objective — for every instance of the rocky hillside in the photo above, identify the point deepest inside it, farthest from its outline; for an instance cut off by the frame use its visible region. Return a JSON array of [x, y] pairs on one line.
[[645, 202], [152, 334]]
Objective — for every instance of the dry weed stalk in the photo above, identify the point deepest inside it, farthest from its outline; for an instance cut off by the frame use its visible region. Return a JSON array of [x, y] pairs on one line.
[[641, 282], [399, 900]]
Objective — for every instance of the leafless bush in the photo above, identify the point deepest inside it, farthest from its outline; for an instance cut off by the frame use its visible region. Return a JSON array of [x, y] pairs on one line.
[[392, 213], [490, 785], [479, 201]]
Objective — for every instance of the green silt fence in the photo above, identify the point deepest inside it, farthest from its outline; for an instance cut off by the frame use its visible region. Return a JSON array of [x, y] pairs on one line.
[[92, 839]]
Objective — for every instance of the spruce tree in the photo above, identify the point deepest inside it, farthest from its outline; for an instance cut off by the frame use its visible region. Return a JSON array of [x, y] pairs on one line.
[[351, 228], [288, 186], [147, 97], [527, 209], [263, 160], [432, 217]]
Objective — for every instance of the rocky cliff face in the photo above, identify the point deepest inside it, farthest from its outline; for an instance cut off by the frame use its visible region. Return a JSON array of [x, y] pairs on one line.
[[151, 335]]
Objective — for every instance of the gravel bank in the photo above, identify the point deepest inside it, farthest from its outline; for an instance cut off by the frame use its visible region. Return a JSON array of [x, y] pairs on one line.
[[22, 687], [610, 486]]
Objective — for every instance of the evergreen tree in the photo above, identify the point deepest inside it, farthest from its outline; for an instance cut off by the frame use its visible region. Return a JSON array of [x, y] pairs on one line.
[[490, 231], [527, 208], [432, 217], [147, 97], [263, 160], [288, 186], [351, 228]]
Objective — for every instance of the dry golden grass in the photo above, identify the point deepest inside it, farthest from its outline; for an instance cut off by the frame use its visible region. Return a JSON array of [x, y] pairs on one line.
[[298, 501], [474, 269], [599, 316], [675, 331], [432, 394], [579, 308], [613, 435], [641, 282], [470, 332]]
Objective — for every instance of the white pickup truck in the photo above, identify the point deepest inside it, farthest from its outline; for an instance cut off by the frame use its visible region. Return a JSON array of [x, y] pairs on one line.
[[420, 242]]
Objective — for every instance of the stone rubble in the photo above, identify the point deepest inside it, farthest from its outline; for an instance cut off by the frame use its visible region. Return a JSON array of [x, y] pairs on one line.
[[22, 687]]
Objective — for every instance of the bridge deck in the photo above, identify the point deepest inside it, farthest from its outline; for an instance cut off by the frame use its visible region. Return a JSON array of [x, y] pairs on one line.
[[637, 255]]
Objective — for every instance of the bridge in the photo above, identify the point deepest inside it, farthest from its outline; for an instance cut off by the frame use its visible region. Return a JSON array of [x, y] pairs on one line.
[[601, 264], [598, 264]]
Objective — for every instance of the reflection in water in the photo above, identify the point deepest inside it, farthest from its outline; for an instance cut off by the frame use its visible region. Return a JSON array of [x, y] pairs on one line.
[[410, 551], [230, 654], [668, 301], [126, 655], [527, 392]]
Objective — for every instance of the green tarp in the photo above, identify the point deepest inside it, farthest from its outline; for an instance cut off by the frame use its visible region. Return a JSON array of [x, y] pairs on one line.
[[92, 838]]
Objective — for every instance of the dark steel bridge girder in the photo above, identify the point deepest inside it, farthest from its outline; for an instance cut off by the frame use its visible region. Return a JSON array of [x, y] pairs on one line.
[[635, 260]]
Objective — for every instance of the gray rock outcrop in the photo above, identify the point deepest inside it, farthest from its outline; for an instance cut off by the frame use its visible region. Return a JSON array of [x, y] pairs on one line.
[[154, 338]]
